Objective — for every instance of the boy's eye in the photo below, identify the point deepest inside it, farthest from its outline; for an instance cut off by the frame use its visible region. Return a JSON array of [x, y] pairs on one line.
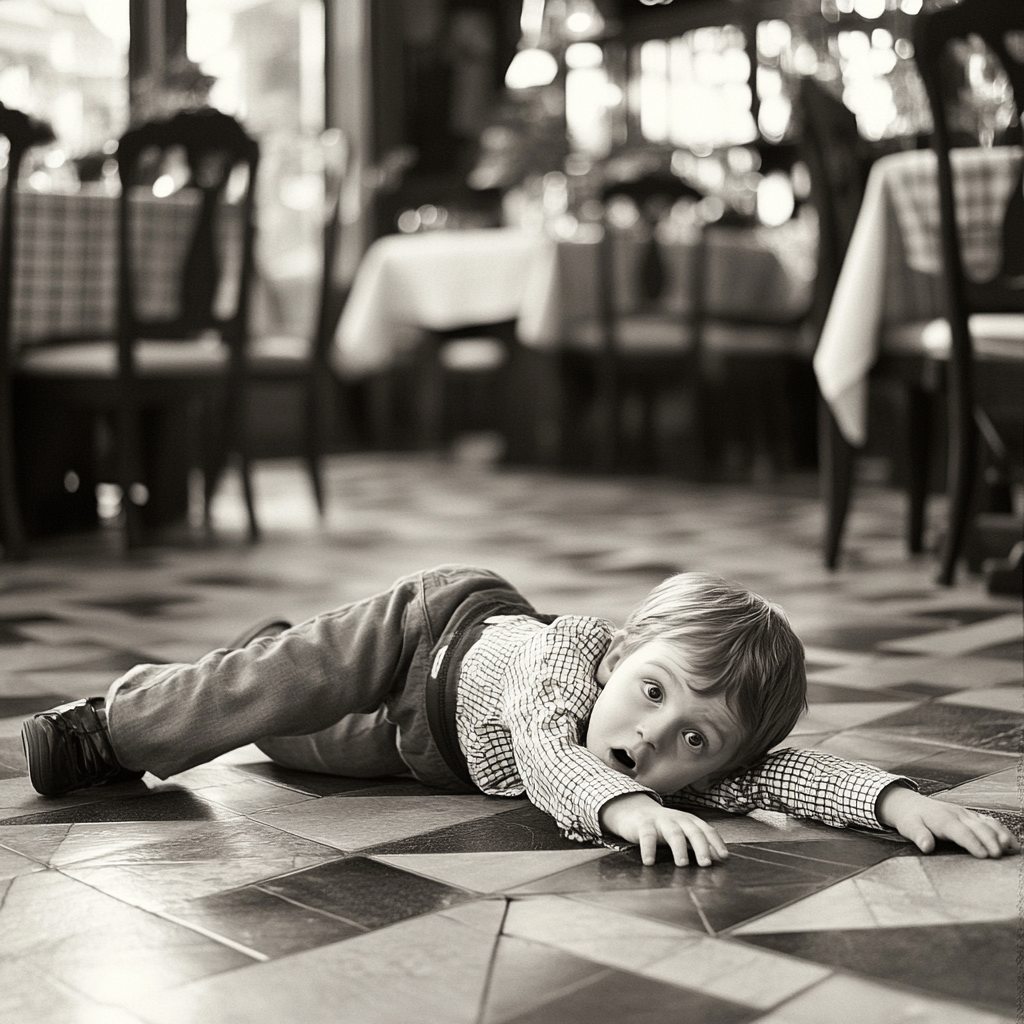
[[693, 739], [652, 691]]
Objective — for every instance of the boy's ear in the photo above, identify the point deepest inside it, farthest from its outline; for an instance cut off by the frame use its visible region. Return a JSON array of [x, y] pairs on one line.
[[611, 658]]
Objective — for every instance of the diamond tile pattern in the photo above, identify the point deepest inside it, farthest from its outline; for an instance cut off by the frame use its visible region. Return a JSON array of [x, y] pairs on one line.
[[243, 891]]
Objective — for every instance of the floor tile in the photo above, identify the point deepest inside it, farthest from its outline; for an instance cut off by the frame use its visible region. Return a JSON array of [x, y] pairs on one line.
[[606, 936], [862, 636], [518, 827], [99, 946], [1003, 698], [767, 826], [960, 672], [958, 724], [553, 973], [974, 637], [954, 766], [390, 976], [365, 892], [921, 958], [33, 995], [98, 805], [489, 871], [836, 717], [262, 923], [632, 999], [354, 823], [726, 969], [842, 999], [12, 864], [903, 891], [834, 693], [999, 792]]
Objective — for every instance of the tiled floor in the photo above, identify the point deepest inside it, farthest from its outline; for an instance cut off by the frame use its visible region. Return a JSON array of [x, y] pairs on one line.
[[243, 892]]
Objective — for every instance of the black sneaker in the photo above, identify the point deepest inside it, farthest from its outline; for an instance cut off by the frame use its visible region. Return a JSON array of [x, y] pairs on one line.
[[68, 748]]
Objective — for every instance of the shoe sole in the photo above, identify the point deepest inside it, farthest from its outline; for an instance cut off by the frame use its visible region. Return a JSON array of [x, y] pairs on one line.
[[35, 741]]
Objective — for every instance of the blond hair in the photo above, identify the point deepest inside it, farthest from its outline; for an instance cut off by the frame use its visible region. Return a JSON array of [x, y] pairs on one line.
[[736, 643]]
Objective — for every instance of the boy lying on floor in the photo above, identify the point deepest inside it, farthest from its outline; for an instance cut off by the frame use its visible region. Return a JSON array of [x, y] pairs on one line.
[[451, 675]]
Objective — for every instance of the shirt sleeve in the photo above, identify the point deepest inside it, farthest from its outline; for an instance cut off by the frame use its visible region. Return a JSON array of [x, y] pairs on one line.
[[549, 692], [804, 783]]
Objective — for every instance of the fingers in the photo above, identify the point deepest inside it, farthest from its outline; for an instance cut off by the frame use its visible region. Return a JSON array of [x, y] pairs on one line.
[[686, 834], [980, 835], [648, 840], [990, 837]]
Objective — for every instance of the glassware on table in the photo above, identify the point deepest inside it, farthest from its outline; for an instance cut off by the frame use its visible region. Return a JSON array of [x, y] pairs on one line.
[[988, 95]]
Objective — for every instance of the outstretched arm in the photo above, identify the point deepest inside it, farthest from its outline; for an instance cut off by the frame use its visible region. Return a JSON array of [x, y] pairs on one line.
[[923, 820]]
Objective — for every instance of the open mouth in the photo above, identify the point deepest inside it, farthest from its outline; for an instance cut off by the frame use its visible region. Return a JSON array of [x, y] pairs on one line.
[[623, 758]]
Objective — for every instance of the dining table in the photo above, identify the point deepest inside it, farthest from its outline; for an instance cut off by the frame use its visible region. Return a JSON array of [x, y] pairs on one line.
[[441, 280], [892, 273]]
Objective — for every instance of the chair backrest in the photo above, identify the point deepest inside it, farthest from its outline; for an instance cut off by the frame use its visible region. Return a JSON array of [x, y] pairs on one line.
[[332, 295], [1000, 25], [653, 194], [218, 161], [22, 132], [834, 153]]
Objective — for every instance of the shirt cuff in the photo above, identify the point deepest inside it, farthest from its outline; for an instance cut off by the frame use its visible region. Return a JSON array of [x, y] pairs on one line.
[[587, 827]]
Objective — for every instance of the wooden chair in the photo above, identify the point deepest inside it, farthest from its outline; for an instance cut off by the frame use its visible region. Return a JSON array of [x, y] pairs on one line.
[[628, 345], [985, 319], [190, 353], [839, 161], [22, 132], [290, 361]]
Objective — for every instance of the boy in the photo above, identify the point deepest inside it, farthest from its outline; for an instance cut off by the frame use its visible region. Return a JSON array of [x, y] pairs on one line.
[[452, 675]]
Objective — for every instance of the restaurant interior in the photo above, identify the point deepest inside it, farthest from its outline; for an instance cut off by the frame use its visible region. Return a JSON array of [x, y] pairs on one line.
[[300, 296]]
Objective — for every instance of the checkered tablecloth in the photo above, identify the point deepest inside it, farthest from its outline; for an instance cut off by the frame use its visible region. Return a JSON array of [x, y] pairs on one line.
[[983, 185], [65, 263], [892, 269]]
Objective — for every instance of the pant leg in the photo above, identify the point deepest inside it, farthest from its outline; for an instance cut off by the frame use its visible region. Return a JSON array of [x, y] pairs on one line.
[[359, 746], [350, 661], [167, 718]]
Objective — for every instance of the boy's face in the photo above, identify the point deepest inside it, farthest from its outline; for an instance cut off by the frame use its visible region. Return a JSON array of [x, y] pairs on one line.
[[652, 723]]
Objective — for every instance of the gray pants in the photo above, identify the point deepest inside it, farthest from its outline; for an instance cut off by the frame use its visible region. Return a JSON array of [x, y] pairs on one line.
[[341, 693]]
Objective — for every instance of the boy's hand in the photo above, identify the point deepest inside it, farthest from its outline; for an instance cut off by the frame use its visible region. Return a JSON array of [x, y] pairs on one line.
[[923, 820], [640, 819]]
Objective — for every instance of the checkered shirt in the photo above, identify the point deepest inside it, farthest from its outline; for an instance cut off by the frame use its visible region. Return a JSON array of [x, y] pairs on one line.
[[982, 182], [525, 695]]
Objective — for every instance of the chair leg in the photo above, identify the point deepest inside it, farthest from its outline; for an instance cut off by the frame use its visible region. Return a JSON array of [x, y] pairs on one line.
[[963, 461], [607, 408], [919, 422], [13, 529], [127, 465], [238, 440], [837, 460], [245, 465], [430, 396], [314, 449]]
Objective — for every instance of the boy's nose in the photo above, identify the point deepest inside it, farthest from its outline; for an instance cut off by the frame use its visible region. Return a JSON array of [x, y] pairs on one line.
[[655, 732]]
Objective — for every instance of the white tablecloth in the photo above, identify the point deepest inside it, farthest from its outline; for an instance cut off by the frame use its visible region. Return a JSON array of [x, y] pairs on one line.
[[437, 280], [902, 196], [446, 279]]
